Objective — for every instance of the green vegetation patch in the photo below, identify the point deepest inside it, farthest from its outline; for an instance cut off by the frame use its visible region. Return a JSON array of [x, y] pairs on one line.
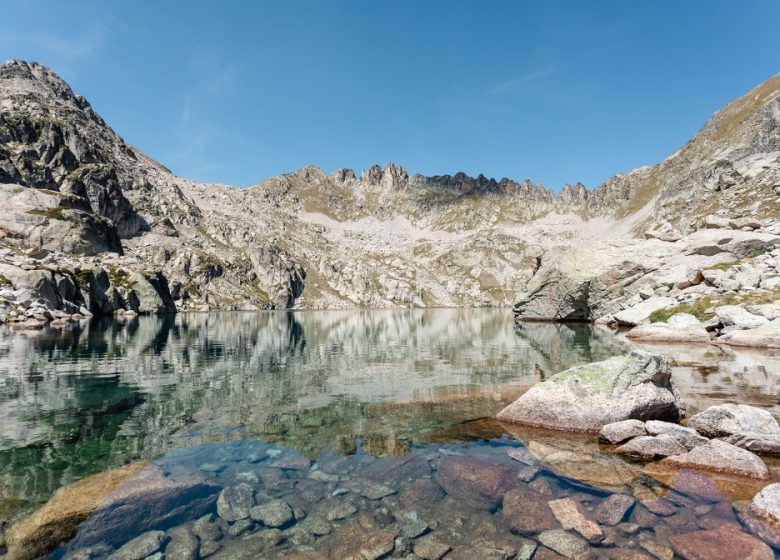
[[52, 213], [83, 278], [4, 281], [701, 308]]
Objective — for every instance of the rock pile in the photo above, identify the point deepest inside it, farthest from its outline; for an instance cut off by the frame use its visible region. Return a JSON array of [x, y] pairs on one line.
[[737, 431]]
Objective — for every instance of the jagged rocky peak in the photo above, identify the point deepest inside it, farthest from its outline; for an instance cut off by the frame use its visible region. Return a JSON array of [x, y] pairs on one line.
[[573, 195], [32, 78], [391, 176]]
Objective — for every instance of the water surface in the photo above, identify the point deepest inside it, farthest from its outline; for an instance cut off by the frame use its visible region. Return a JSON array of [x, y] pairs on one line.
[[271, 398]]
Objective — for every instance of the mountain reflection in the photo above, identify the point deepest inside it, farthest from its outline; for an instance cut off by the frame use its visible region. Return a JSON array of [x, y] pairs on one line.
[[109, 391]]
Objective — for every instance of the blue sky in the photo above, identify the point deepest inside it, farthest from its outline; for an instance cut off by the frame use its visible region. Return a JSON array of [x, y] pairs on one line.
[[554, 91]]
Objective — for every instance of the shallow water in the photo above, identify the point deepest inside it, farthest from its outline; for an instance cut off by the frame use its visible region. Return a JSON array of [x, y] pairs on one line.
[[317, 409]]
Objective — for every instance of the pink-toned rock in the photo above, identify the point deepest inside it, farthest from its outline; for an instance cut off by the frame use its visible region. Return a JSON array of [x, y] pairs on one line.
[[725, 542], [526, 511], [480, 483], [569, 515], [719, 456]]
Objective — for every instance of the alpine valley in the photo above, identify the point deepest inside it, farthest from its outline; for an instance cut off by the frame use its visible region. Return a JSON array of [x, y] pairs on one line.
[[90, 225]]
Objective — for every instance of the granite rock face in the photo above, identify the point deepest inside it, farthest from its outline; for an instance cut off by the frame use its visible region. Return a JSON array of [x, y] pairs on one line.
[[72, 187], [586, 398]]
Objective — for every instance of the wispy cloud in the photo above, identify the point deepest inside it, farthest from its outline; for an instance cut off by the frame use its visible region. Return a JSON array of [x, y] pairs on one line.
[[529, 81], [196, 129]]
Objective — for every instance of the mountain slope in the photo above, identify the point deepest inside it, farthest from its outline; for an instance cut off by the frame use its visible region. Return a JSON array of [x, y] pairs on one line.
[[77, 198]]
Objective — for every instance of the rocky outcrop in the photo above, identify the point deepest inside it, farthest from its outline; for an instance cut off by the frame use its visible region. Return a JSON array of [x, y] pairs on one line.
[[719, 456], [680, 328], [745, 426], [627, 280], [69, 184], [583, 399], [685, 447]]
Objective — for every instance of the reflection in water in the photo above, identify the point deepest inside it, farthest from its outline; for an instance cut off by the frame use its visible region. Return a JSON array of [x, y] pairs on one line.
[[103, 393], [290, 400]]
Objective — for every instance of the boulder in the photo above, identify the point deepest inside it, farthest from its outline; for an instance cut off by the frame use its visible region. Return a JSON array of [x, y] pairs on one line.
[[766, 336], [768, 310], [480, 483], [57, 521], [725, 420], [642, 311], [570, 517], [566, 543], [583, 283], [756, 443], [739, 317], [724, 542], [54, 221], [652, 447], [687, 437], [526, 511], [152, 293], [716, 222], [681, 327], [719, 456], [585, 398], [618, 432], [766, 505], [733, 242], [149, 500], [614, 509]]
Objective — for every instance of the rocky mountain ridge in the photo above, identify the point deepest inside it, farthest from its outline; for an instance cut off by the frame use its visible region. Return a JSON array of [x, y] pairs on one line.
[[80, 204]]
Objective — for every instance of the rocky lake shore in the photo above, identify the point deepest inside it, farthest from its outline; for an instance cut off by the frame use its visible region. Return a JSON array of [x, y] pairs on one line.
[[629, 410]]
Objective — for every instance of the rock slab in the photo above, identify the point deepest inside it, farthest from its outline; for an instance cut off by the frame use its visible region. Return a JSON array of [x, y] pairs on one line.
[[585, 398]]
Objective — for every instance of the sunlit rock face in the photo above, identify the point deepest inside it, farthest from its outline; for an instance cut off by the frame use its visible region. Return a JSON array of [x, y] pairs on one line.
[[381, 238]]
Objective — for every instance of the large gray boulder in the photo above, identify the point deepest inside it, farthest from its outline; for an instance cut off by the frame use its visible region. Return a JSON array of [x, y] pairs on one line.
[[719, 456], [681, 327], [585, 398], [739, 317], [725, 420], [641, 312], [765, 336]]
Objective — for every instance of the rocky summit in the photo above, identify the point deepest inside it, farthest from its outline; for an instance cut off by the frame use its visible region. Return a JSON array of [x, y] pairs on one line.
[[90, 225]]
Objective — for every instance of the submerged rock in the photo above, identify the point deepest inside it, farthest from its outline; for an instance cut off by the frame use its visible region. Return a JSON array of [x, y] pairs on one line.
[[719, 456], [480, 483], [614, 509], [724, 542], [569, 515], [275, 513], [566, 544], [58, 520], [527, 512], [140, 547], [585, 398]]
